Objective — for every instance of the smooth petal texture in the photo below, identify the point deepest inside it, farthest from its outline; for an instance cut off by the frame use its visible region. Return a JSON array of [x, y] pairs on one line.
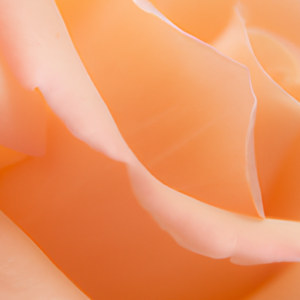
[[279, 58], [280, 17], [251, 164], [277, 123], [9, 157], [202, 18], [214, 232], [283, 27], [26, 273], [170, 114], [246, 240], [78, 206], [251, 172], [283, 286], [22, 116], [268, 239], [43, 57]]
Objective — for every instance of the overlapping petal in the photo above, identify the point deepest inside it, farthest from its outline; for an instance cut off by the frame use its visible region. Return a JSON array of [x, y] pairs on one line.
[[26, 272], [79, 207], [170, 115], [284, 285], [202, 18], [43, 57], [56, 70], [22, 116], [280, 17], [277, 123], [282, 29]]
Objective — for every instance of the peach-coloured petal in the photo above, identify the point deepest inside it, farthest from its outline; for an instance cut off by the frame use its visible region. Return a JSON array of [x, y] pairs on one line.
[[44, 58], [26, 273], [199, 227], [246, 240], [278, 58], [249, 148], [283, 286], [202, 18], [280, 17], [9, 157], [277, 123], [22, 116], [249, 145], [284, 197], [78, 206], [170, 114], [222, 234], [214, 232]]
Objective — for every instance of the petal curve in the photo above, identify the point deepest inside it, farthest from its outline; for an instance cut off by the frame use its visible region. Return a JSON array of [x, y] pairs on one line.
[[247, 240]]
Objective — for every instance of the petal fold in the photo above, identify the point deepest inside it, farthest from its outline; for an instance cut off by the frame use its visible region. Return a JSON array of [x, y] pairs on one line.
[[190, 135], [202, 18], [277, 126], [22, 116], [279, 17], [48, 60]]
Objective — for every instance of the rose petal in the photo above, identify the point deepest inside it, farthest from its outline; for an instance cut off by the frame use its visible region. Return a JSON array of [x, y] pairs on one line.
[[22, 116], [26, 273], [44, 58], [222, 234], [284, 200], [277, 123], [78, 206], [280, 59], [214, 232], [202, 18], [283, 286], [280, 17], [174, 130], [9, 157]]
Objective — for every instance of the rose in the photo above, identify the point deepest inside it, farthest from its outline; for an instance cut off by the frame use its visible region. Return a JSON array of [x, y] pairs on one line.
[[45, 72]]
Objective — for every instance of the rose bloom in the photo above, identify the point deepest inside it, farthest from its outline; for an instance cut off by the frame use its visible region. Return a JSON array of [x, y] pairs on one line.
[[149, 150]]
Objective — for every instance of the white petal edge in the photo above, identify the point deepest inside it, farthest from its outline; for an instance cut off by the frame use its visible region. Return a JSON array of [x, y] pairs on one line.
[[196, 226], [251, 171]]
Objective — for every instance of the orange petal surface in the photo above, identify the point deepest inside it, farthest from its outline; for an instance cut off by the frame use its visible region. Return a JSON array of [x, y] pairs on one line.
[[277, 122], [22, 115], [78, 206], [170, 114]]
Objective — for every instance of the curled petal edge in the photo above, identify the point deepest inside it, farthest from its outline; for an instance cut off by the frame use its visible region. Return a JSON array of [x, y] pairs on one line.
[[64, 83], [251, 171]]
